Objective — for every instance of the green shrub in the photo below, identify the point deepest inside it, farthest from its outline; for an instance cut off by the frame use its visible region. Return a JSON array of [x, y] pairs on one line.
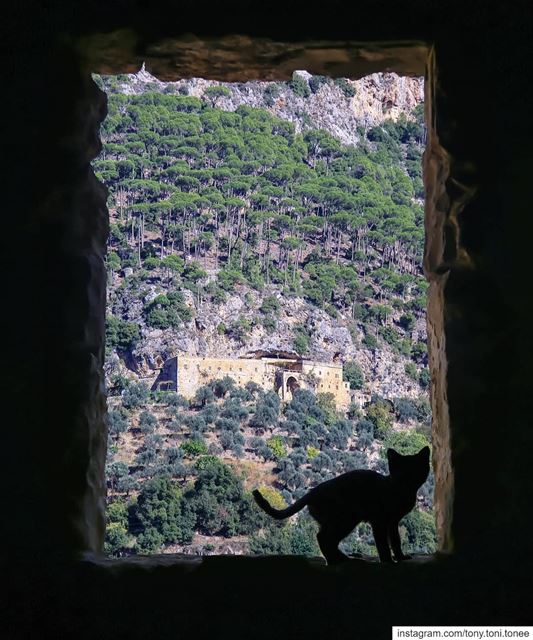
[[312, 452], [167, 311], [161, 515], [360, 542], [370, 341], [407, 321], [315, 82], [277, 446], [419, 351], [299, 86], [390, 336], [301, 340], [406, 442], [151, 263], [353, 374], [113, 261], [405, 409], [117, 539], [423, 408], [240, 329], [331, 310], [174, 399], [326, 402], [424, 378], [411, 370], [172, 263], [117, 422], [404, 347], [135, 395], [117, 512], [147, 422], [229, 277], [269, 323], [193, 448], [379, 413], [193, 272], [220, 503], [121, 334], [204, 395], [270, 304], [215, 92], [346, 87], [419, 532], [301, 343], [271, 93], [222, 386], [296, 538]]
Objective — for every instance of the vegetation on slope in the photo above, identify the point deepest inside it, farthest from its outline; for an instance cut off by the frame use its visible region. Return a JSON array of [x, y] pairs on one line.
[[242, 194], [192, 463]]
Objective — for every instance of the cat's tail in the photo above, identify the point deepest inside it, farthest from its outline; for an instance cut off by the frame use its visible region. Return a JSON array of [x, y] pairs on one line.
[[279, 514]]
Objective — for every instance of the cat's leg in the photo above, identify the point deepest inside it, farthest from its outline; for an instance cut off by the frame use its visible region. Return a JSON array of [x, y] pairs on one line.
[[328, 540], [394, 537], [381, 538]]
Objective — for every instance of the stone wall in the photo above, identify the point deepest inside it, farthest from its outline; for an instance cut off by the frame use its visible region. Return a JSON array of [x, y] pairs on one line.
[[196, 372], [186, 374], [329, 377], [479, 230]]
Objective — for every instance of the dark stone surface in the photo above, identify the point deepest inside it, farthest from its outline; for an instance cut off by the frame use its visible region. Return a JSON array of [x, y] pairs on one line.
[[281, 597]]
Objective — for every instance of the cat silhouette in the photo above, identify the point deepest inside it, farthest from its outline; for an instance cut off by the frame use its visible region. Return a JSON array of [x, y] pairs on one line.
[[340, 504]]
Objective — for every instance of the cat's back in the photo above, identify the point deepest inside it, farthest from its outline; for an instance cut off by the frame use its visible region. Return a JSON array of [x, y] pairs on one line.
[[355, 495], [359, 481]]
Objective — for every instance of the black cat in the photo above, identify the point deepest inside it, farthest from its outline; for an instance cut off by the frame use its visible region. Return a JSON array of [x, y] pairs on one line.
[[340, 504]]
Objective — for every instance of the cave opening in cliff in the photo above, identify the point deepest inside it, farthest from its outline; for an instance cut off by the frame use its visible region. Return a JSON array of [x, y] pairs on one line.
[[266, 303]]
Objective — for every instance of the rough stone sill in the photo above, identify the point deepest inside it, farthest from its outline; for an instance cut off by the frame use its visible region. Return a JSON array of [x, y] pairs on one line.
[[288, 565]]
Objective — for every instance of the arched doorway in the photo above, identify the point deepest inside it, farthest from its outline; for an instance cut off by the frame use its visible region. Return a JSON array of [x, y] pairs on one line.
[[291, 385]]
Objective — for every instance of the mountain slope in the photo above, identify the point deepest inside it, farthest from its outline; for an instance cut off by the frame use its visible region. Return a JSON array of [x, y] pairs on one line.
[[240, 224], [344, 108]]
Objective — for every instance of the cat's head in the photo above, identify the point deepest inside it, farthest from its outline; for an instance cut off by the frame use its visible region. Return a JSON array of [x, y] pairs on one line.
[[409, 469]]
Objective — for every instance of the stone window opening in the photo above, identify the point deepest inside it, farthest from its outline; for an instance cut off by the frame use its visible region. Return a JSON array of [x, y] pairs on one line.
[[329, 386], [477, 261]]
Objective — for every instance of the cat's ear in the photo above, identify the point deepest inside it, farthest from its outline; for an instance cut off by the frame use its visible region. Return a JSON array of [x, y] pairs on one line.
[[392, 455], [395, 462]]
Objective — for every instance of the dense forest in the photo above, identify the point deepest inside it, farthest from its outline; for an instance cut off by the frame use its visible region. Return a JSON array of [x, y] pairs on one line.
[[207, 204]]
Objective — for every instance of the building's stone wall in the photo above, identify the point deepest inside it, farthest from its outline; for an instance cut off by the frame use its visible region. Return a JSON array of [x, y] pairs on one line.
[[194, 372], [186, 374], [329, 377]]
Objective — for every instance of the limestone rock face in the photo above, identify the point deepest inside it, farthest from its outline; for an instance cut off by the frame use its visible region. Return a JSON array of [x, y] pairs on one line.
[[378, 97], [211, 333], [385, 96]]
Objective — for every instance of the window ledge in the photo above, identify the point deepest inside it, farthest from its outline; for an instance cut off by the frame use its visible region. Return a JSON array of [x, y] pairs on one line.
[[183, 563]]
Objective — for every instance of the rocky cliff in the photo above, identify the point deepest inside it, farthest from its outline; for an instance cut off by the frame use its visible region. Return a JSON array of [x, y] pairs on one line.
[[331, 339], [339, 107]]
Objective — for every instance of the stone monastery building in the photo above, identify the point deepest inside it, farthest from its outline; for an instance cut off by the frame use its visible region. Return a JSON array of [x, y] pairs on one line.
[[282, 373]]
